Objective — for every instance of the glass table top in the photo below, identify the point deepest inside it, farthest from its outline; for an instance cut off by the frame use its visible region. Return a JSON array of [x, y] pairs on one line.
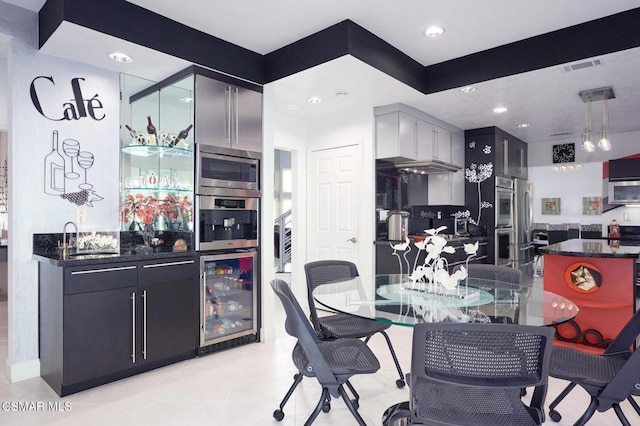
[[396, 300]]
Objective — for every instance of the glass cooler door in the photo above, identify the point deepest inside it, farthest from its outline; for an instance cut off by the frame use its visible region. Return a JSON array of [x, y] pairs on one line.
[[229, 297]]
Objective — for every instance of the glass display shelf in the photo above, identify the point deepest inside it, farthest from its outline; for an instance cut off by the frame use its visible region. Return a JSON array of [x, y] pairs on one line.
[[156, 150]]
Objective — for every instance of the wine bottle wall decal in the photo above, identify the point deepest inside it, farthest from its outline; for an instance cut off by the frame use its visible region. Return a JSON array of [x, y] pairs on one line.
[[66, 172]]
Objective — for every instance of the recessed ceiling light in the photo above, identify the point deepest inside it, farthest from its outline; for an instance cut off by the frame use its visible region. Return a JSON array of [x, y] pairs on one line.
[[292, 107], [468, 89], [120, 57], [186, 100], [342, 95], [314, 100], [499, 110], [523, 125], [434, 31]]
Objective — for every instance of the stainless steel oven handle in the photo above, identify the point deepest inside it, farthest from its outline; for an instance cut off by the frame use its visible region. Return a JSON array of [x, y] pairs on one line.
[[203, 305]]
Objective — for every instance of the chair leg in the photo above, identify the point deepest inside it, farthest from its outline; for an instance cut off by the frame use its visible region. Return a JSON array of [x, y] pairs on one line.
[[560, 397], [399, 383], [587, 414], [621, 416], [296, 381], [350, 406], [316, 411], [355, 393], [634, 404]]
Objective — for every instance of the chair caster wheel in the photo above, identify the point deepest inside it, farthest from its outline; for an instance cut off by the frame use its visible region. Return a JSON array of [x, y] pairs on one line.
[[523, 392], [278, 415], [326, 407], [555, 416], [355, 403], [400, 383]]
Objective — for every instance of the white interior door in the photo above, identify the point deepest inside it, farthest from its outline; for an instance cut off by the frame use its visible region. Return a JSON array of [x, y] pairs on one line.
[[333, 195]]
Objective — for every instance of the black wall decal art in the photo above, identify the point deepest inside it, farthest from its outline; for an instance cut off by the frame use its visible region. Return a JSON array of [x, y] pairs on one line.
[[66, 175], [77, 108], [564, 153]]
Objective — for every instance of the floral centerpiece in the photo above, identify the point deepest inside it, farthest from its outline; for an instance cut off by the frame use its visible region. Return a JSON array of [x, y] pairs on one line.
[[433, 275], [146, 213]]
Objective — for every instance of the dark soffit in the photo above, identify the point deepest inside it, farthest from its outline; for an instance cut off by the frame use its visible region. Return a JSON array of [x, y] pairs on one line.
[[601, 36]]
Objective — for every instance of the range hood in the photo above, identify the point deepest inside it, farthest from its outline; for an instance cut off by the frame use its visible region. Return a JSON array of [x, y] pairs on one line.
[[426, 167]]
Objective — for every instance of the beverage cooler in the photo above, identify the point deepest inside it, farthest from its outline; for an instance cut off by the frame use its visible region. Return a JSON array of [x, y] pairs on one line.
[[229, 298]]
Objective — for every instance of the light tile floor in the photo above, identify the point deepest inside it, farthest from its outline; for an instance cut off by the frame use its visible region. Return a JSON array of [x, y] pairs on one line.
[[241, 386]]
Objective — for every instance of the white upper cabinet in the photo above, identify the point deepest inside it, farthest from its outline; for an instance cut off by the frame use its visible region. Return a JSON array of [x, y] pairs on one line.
[[396, 136]]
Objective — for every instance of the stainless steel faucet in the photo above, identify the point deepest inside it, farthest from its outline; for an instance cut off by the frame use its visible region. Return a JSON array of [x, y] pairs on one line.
[[65, 246]]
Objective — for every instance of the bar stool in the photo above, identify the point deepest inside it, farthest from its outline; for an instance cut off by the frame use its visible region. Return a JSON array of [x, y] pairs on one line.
[[540, 239]]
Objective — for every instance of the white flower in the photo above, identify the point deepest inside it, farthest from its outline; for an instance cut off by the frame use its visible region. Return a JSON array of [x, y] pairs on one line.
[[487, 149], [401, 246], [471, 248], [472, 144], [421, 244], [435, 231]]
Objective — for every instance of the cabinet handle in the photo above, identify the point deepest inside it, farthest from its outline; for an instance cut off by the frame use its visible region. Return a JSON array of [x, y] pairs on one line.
[[237, 115], [202, 308], [96, 271], [505, 160], [228, 135], [160, 265], [144, 324], [133, 327]]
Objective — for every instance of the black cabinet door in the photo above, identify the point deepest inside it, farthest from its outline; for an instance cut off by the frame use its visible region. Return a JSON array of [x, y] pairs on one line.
[[170, 308], [624, 169], [98, 333]]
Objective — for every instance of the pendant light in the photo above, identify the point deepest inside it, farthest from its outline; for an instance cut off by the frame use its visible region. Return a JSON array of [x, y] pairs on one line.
[[587, 143], [604, 143]]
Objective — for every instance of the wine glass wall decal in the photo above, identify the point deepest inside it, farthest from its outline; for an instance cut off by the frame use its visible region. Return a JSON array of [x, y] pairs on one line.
[[71, 148], [85, 161], [60, 177]]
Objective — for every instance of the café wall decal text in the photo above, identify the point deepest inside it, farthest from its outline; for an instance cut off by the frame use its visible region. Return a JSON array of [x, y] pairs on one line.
[[77, 108]]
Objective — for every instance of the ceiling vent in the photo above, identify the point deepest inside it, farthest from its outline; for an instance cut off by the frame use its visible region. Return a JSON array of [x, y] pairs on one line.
[[593, 95], [582, 65], [560, 134]]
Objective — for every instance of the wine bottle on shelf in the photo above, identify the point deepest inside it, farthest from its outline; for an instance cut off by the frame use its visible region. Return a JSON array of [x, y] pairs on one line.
[[151, 130], [182, 135], [54, 169]]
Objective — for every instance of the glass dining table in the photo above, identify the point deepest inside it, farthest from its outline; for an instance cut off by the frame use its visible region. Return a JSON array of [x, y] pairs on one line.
[[394, 299]]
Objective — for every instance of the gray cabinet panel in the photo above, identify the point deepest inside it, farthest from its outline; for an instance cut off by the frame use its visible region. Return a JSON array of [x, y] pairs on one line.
[[212, 111], [228, 116]]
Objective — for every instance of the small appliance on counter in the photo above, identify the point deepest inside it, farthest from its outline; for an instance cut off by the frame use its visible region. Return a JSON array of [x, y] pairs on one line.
[[398, 225], [461, 227]]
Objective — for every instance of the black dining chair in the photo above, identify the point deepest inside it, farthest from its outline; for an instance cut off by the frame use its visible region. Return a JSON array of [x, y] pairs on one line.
[[332, 363], [472, 374], [339, 325], [506, 279], [609, 378]]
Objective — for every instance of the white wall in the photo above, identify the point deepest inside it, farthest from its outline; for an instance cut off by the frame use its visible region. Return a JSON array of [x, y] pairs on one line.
[[571, 186], [30, 140], [356, 126]]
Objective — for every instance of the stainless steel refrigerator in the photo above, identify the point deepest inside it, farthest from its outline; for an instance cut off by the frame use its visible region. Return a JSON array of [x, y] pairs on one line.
[[524, 250]]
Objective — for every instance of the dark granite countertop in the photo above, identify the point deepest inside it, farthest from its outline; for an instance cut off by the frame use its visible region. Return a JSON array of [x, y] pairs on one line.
[[592, 248], [125, 255]]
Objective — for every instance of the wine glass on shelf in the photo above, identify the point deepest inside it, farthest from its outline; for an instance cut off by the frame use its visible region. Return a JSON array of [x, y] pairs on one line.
[[71, 148], [85, 161]]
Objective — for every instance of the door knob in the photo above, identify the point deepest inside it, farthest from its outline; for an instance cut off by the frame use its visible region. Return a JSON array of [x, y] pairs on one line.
[[353, 240]]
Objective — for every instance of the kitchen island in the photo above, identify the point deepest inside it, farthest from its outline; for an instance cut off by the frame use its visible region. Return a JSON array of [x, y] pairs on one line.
[[599, 276]]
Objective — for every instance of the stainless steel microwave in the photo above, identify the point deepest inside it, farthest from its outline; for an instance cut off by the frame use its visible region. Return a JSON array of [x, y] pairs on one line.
[[224, 171], [624, 192]]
